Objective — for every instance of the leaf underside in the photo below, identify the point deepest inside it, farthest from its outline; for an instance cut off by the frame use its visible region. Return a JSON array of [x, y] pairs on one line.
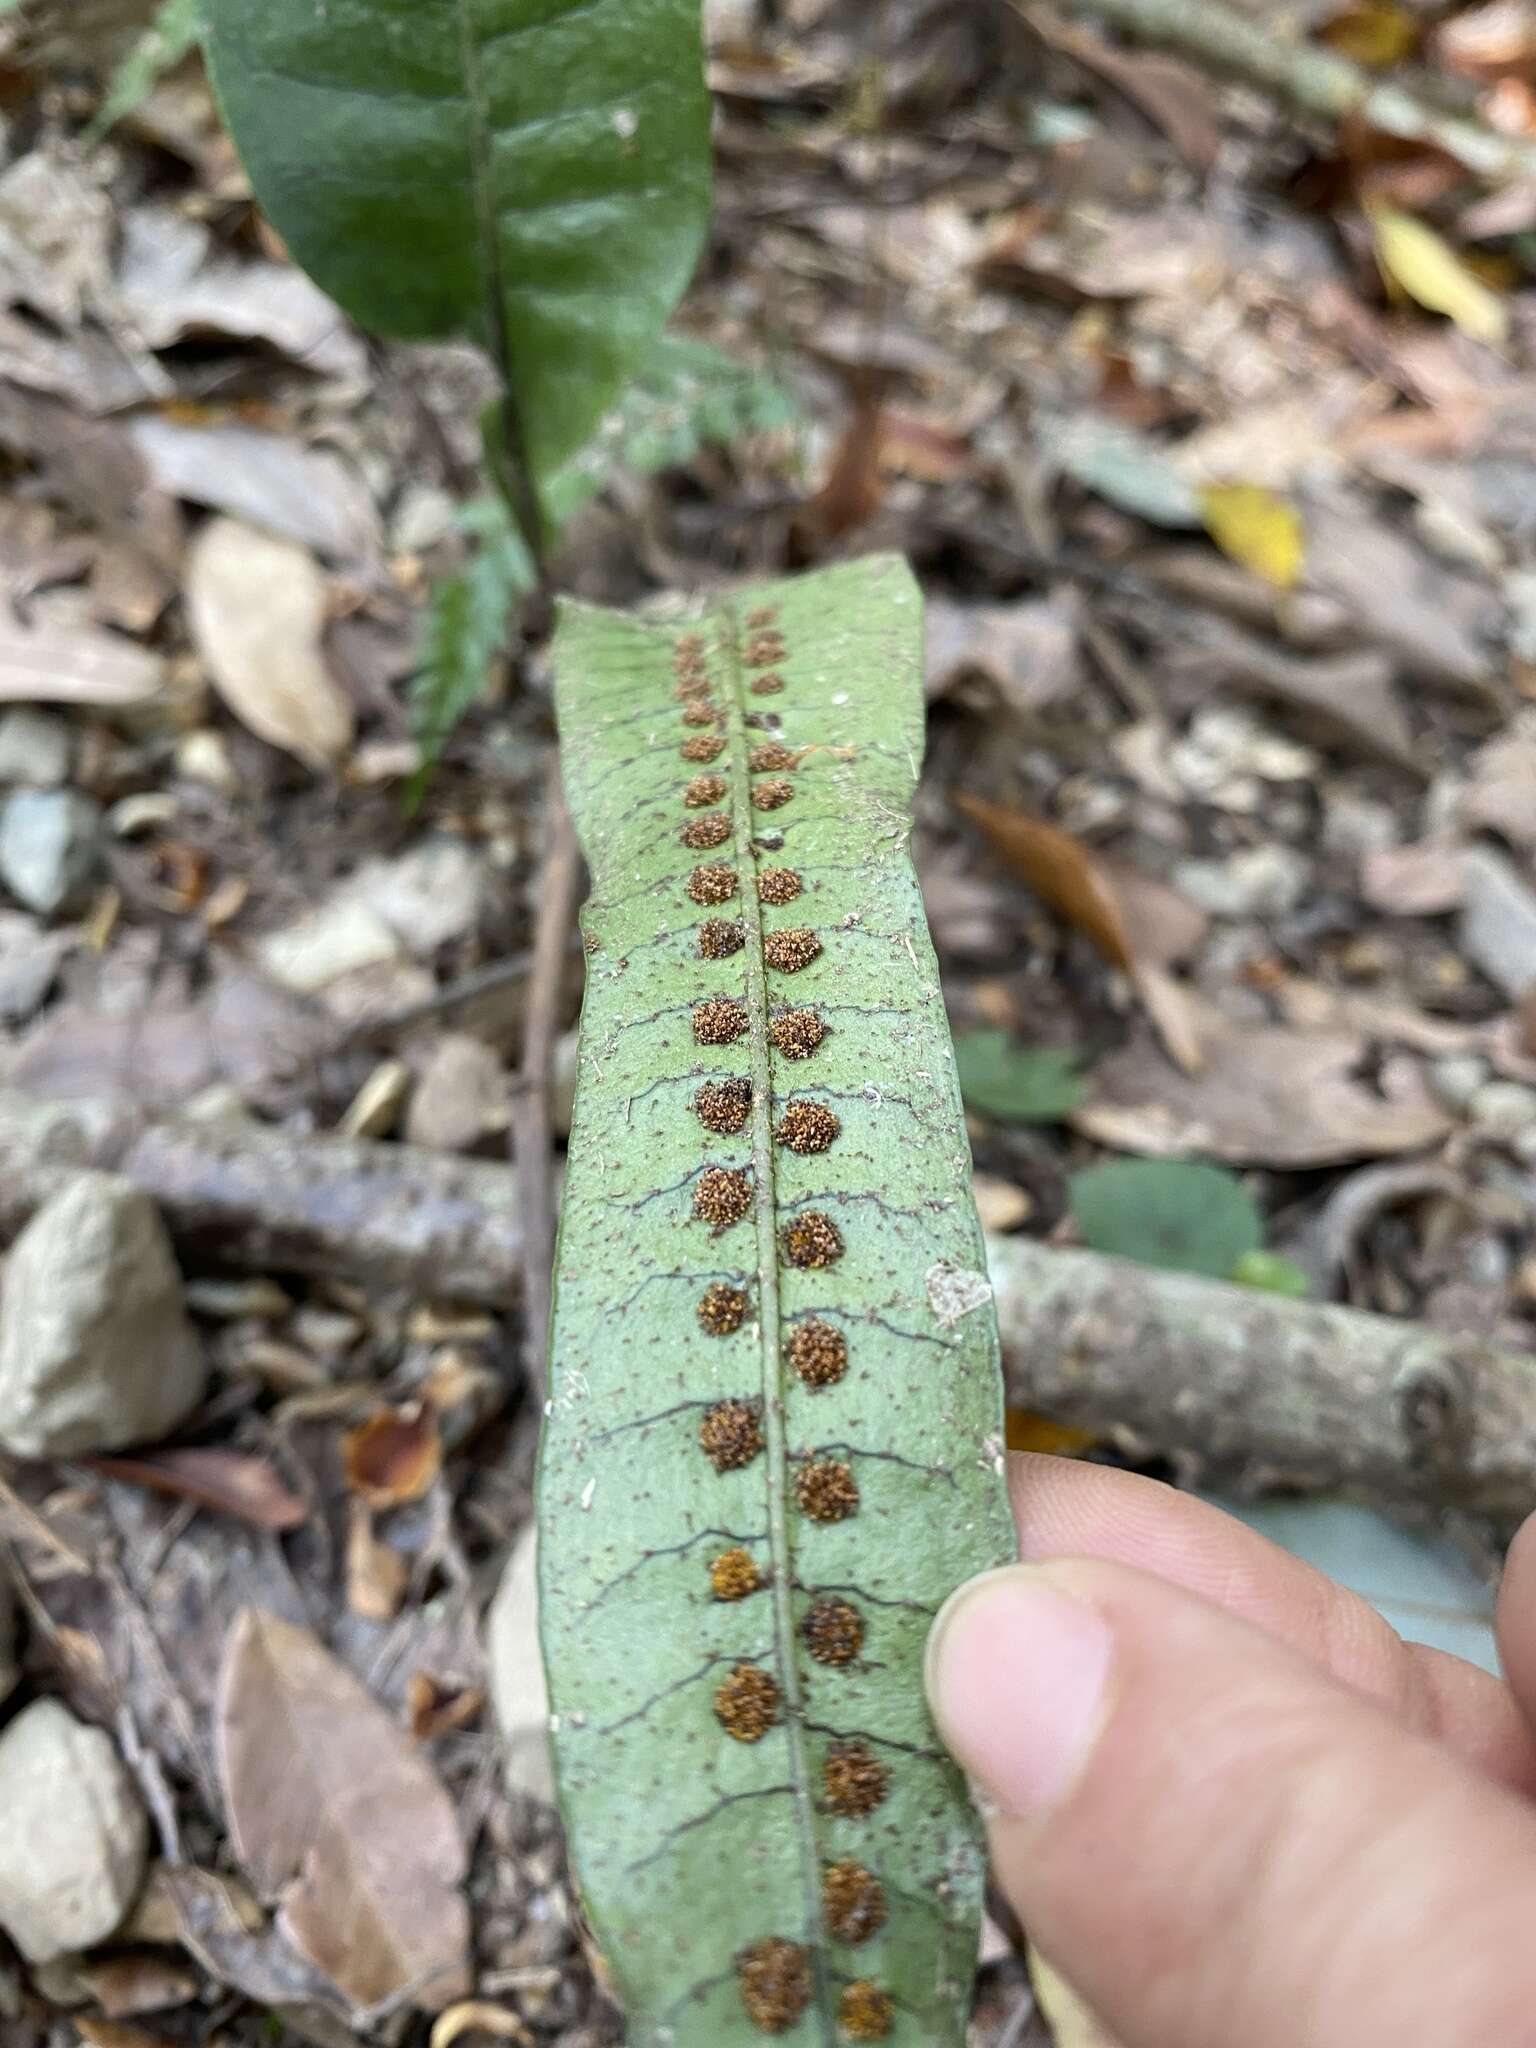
[[529, 174], [693, 1846]]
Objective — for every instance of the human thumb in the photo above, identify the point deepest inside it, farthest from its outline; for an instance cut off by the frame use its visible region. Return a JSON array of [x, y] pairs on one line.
[[1213, 1840]]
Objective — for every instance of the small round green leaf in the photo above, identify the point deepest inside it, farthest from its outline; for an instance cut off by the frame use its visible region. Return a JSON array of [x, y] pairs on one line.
[[1180, 1214], [1014, 1083]]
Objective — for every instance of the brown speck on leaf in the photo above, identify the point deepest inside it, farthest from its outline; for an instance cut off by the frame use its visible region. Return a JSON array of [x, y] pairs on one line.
[[724, 1106], [853, 1780], [778, 885], [833, 1631], [764, 615], [818, 1352], [719, 938], [764, 649], [773, 794], [807, 1127], [826, 1490], [865, 2012], [688, 646], [722, 1308], [698, 713], [715, 882], [710, 828], [591, 942], [797, 1033], [775, 1983], [768, 685], [733, 1575], [704, 746], [722, 1195], [730, 1435], [703, 790], [692, 686], [720, 1021], [770, 755], [747, 1703], [791, 950], [852, 1901], [811, 1239]]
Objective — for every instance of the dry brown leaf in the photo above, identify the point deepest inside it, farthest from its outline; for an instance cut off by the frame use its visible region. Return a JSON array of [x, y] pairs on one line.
[[1108, 901], [1423, 880], [257, 611], [475, 2016], [116, 2034], [394, 1456], [232, 1482], [1501, 796], [438, 1706], [137, 1982], [854, 489], [377, 1576], [1171, 93], [336, 1812]]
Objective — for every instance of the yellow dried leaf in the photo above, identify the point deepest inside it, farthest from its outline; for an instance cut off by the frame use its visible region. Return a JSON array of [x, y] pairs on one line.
[[1425, 266], [1027, 1431], [1375, 33], [1255, 527]]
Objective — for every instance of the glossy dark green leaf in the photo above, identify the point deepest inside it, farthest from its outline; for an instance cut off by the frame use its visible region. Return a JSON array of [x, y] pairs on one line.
[[1181, 1214], [694, 1846], [1019, 1084], [529, 174]]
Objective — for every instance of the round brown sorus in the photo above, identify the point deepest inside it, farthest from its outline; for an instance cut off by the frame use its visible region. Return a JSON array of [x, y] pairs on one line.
[[774, 1979], [852, 1901], [770, 755], [730, 1435], [747, 1703], [797, 1033], [698, 713], [811, 1239], [773, 794], [710, 828], [715, 882], [807, 1127], [724, 1106], [688, 646], [722, 1308], [703, 790], [692, 687], [719, 1021], [818, 1352], [768, 685], [833, 1631], [704, 746], [826, 1490], [764, 649], [733, 1575], [778, 885], [763, 616], [719, 938], [722, 1195], [865, 2012], [791, 950], [853, 1781]]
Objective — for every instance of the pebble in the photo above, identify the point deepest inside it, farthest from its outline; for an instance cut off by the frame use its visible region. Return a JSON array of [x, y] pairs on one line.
[[1498, 921], [1354, 826], [1261, 881], [202, 756], [462, 1096], [1505, 1107], [1457, 1078], [76, 1835], [49, 847], [96, 1352], [338, 938], [34, 748]]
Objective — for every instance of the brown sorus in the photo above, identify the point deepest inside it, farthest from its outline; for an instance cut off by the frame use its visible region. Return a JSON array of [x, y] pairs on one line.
[[807, 1127], [818, 1352], [811, 1239], [853, 1780], [715, 882], [719, 938], [704, 746], [692, 686], [710, 828], [724, 1106], [774, 1979], [833, 1631], [722, 1308], [791, 950], [826, 1490], [768, 685], [733, 1575], [730, 1434], [703, 790], [688, 646], [764, 615], [770, 755], [865, 2012], [797, 1033], [719, 1021], [852, 1901], [773, 794], [747, 1703], [778, 885], [698, 713], [722, 1195], [764, 649]]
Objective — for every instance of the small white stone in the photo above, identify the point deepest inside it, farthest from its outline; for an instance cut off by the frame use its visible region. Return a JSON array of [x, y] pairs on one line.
[[34, 748]]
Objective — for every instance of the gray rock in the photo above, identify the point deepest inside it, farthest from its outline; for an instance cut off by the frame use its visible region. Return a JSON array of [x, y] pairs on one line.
[[76, 1834], [1498, 921], [49, 847], [463, 1096], [95, 1348], [34, 748], [1504, 1107], [519, 1695], [1457, 1078], [1261, 881]]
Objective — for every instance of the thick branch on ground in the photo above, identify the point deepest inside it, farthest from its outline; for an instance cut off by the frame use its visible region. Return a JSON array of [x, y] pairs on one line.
[[1313, 80], [1264, 1390]]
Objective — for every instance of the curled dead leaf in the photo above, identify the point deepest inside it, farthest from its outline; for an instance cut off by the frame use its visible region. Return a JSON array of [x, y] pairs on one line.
[[437, 1706], [231, 1482], [475, 2016], [377, 1576], [394, 1456]]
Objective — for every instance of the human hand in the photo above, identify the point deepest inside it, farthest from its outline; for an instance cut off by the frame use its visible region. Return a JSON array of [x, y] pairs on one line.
[[1231, 1805]]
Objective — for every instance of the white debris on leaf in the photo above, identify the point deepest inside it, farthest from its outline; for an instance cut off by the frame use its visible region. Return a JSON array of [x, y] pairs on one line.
[[954, 1292]]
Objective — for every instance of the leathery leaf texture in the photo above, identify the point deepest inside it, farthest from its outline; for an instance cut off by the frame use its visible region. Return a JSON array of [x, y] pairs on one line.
[[774, 1437]]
